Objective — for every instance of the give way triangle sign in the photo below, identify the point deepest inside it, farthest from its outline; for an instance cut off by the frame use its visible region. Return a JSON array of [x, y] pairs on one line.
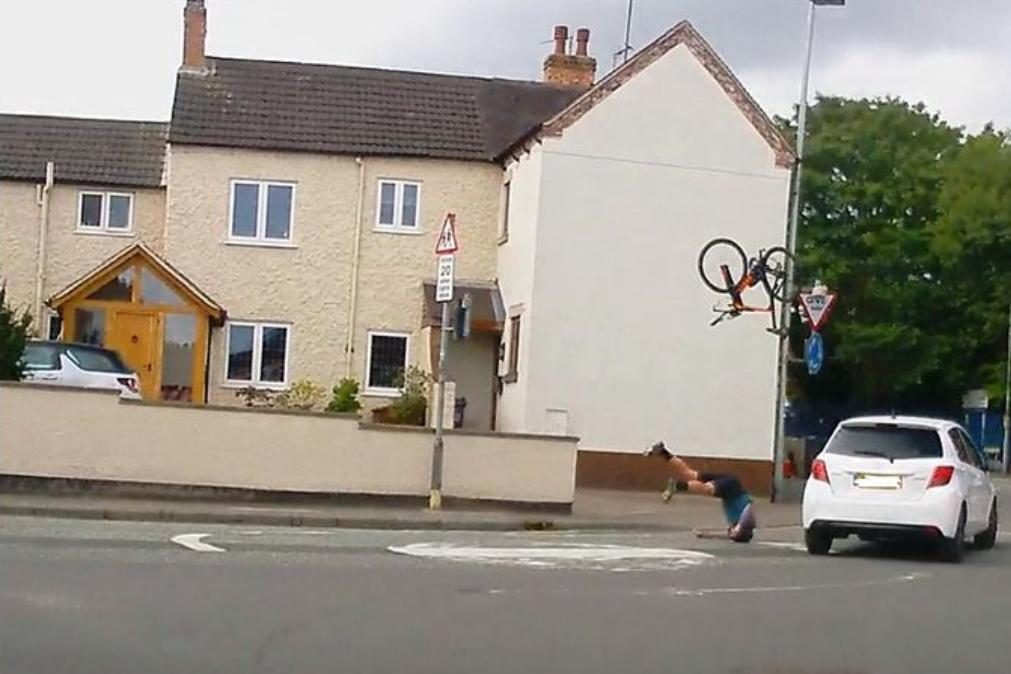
[[817, 307], [447, 243]]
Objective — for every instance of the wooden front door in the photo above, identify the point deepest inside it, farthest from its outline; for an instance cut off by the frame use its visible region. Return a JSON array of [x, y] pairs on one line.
[[135, 336]]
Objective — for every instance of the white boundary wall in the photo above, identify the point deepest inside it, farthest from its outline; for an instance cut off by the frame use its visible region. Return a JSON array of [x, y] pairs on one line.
[[49, 431]]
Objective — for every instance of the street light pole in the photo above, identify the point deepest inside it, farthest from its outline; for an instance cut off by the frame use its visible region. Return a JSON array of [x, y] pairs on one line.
[[779, 448]]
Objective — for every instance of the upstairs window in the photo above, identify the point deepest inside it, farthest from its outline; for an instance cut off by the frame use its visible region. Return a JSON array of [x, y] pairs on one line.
[[399, 206], [105, 212], [262, 212]]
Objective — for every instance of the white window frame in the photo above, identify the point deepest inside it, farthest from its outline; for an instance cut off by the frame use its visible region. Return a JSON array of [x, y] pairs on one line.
[[255, 381], [103, 227], [398, 227], [381, 390], [260, 238]]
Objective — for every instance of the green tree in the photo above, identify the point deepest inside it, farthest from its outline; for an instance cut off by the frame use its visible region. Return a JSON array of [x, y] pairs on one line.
[[972, 238], [873, 172], [14, 327]]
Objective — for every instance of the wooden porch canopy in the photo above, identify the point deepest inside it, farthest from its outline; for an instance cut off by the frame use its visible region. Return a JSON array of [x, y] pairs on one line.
[[124, 258], [149, 312]]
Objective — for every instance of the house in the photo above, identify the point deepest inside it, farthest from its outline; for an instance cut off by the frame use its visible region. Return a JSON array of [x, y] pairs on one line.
[[281, 226]]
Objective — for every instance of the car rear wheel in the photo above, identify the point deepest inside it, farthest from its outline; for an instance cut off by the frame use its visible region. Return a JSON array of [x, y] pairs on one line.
[[988, 538], [818, 541], [953, 549]]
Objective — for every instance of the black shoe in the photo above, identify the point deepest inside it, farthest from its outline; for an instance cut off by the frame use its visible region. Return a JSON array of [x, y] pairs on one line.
[[659, 449]]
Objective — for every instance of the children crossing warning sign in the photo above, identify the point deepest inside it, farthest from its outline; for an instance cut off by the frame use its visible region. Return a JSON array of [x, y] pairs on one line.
[[447, 243]]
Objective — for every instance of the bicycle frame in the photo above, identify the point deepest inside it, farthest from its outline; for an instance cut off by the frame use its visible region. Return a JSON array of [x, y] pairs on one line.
[[754, 276]]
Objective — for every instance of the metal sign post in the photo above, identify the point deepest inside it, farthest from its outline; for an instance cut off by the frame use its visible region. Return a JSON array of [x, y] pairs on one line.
[[445, 248], [782, 370]]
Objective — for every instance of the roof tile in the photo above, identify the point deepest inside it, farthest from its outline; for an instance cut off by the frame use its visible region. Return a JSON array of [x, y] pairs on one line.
[[96, 151], [349, 110]]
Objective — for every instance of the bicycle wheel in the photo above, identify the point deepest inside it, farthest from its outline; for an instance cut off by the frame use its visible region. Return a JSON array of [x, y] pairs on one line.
[[714, 256], [774, 262]]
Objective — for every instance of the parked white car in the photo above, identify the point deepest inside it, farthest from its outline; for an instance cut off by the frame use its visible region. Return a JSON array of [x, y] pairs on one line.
[[893, 477], [80, 365]]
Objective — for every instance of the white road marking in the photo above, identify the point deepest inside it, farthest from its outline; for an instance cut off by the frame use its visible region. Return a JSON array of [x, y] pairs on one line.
[[702, 591], [799, 547], [548, 557], [194, 542], [256, 509]]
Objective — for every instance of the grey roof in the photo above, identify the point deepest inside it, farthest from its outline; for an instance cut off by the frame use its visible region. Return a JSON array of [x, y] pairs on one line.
[[349, 110], [96, 151]]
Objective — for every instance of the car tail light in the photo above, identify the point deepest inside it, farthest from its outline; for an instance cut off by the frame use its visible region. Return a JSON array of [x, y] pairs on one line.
[[942, 476], [819, 471], [129, 382]]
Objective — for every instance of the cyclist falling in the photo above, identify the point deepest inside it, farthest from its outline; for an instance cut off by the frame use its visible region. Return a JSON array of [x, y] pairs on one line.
[[737, 505]]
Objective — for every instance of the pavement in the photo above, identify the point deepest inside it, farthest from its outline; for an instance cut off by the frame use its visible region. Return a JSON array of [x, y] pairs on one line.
[[593, 509], [90, 597]]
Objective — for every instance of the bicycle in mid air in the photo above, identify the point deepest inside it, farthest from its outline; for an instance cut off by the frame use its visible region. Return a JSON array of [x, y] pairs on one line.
[[726, 269]]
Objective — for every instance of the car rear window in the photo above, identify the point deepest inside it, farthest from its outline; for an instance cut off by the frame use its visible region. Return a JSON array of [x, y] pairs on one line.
[[888, 440], [39, 356], [97, 360]]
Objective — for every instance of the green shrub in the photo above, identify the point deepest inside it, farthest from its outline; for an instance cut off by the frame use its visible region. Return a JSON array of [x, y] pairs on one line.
[[345, 397], [409, 409], [13, 335]]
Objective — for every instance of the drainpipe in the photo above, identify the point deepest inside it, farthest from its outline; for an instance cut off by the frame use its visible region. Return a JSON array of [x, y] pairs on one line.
[[349, 346], [40, 270]]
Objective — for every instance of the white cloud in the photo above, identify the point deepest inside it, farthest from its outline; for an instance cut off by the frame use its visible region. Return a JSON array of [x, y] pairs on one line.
[[962, 85], [118, 58]]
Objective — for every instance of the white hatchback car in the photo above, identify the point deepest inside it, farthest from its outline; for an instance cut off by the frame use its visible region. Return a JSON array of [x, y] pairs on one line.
[[80, 365], [895, 477]]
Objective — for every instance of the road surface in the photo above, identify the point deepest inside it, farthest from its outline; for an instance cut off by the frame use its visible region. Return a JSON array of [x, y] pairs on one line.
[[111, 597]]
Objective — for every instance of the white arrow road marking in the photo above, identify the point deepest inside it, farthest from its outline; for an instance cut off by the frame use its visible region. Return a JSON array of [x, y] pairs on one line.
[[701, 591], [549, 556], [194, 542]]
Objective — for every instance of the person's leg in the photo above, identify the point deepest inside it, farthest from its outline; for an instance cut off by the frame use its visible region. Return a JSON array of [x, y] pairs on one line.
[[686, 478], [682, 471]]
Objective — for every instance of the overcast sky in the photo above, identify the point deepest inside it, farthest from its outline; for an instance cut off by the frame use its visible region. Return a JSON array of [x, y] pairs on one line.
[[117, 58]]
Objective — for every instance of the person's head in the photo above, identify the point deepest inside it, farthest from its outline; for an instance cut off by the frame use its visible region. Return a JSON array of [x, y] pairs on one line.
[[744, 530]]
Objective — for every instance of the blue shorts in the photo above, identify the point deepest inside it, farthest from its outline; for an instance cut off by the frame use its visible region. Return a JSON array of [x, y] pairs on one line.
[[735, 499]]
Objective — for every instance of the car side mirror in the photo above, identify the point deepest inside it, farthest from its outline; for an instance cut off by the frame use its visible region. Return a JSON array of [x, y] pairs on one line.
[[993, 466]]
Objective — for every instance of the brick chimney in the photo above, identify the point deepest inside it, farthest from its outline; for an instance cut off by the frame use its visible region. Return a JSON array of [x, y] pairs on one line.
[[574, 70], [194, 35]]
